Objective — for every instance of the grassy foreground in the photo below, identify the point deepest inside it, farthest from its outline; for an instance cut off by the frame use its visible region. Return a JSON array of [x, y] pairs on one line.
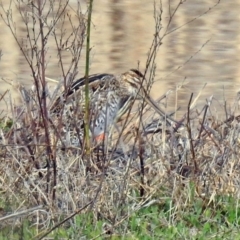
[[196, 220], [183, 184]]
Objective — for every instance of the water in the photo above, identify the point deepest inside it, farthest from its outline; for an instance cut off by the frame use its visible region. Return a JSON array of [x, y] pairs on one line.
[[203, 51]]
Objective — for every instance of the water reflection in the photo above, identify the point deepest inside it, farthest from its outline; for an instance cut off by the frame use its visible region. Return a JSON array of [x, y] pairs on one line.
[[205, 50], [117, 35]]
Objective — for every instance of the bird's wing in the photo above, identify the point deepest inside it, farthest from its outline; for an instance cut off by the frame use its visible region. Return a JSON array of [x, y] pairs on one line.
[[96, 81]]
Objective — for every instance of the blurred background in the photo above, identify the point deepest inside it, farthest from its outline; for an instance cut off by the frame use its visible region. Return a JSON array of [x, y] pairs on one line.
[[205, 50]]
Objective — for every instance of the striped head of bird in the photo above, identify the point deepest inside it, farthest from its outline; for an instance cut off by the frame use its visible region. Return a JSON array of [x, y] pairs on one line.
[[132, 81]]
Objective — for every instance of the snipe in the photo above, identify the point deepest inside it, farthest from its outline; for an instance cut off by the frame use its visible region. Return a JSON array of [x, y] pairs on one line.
[[110, 97]]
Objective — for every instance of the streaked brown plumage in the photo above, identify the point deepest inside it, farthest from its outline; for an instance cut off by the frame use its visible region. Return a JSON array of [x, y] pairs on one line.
[[110, 97]]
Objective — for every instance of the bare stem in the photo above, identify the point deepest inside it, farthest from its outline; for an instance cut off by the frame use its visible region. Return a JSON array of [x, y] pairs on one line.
[[87, 120]]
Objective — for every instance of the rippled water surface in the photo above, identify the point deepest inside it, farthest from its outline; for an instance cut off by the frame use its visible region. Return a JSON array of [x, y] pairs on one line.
[[206, 50]]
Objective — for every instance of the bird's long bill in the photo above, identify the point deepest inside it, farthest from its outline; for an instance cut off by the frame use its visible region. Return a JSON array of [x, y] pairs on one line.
[[154, 105]]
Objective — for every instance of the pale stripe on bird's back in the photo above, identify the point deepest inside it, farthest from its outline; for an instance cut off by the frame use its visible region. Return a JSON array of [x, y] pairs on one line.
[[110, 97]]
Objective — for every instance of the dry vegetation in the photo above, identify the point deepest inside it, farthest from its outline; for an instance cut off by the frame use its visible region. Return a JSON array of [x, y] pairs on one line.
[[43, 162]]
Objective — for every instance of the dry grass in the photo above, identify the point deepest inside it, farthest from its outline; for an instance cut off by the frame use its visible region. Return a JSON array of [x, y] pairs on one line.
[[196, 160]]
